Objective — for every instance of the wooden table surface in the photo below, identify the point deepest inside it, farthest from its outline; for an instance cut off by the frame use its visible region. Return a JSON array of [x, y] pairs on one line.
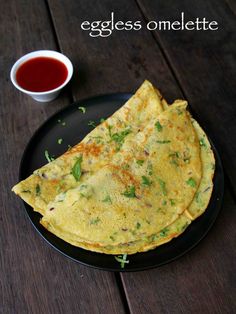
[[199, 66]]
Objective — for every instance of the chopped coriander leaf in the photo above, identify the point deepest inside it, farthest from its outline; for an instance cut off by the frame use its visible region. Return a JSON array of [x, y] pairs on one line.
[[140, 162], [146, 181], [158, 126], [191, 182], [153, 237], [102, 120], [82, 109], [112, 238], [138, 225], [107, 199], [48, 157], [163, 142], [130, 192], [150, 169], [174, 154], [119, 138], [163, 232], [76, 170], [94, 221], [172, 202], [92, 123], [37, 190], [59, 141], [179, 111], [162, 186], [98, 139], [164, 202], [109, 129], [202, 142], [122, 259], [174, 162]]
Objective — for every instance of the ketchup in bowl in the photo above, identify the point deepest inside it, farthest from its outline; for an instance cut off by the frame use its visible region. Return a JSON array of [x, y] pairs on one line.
[[41, 74]]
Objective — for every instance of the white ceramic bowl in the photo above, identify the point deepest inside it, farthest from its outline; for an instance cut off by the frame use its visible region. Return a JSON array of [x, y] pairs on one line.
[[48, 95]]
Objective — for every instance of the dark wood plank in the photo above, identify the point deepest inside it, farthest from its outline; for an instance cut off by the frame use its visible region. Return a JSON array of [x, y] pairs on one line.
[[34, 277], [203, 281], [204, 63], [118, 63], [232, 5]]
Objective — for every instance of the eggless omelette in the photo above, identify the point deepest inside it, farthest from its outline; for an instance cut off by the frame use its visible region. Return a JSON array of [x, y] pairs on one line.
[[133, 183]]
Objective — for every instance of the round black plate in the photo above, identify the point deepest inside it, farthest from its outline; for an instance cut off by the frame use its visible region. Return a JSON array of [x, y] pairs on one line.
[[72, 131]]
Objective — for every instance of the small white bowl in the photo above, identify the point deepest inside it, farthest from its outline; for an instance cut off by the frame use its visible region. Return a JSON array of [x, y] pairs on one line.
[[50, 94]]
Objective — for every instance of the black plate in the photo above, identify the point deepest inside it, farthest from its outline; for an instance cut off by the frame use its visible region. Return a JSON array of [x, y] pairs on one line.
[[75, 128]]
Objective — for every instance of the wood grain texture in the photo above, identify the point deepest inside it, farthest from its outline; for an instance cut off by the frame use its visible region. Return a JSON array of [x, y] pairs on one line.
[[34, 278], [118, 63], [202, 281], [204, 63]]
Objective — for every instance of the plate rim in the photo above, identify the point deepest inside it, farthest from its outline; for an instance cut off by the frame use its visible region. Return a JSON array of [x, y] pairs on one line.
[[122, 96]]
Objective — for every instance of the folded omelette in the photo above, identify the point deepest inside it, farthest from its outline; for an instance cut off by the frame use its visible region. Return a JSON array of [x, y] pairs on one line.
[[133, 183]]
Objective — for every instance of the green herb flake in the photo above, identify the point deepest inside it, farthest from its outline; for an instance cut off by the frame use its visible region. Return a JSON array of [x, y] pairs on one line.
[[191, 182], [153, 238], [202, 142], [47, 156], [82, 109], [162, 186], [138, 225], [69, 147], [119, 138], [158, 126], [102, 120], [140, 162], [59, 141], [163, 232], [164, 202], [95, 221], [163, 142], [107, 199], [174, 162], [122, 259], [172, 202], [76, 170], [175, 154], [92, 123], [37, 190], [129, 192], [150, 169], [146, 181], [112, 238], [98, 139], [179, 111]]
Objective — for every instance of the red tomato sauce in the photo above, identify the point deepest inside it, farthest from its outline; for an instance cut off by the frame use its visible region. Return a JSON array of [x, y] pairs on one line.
[[41, 74]]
